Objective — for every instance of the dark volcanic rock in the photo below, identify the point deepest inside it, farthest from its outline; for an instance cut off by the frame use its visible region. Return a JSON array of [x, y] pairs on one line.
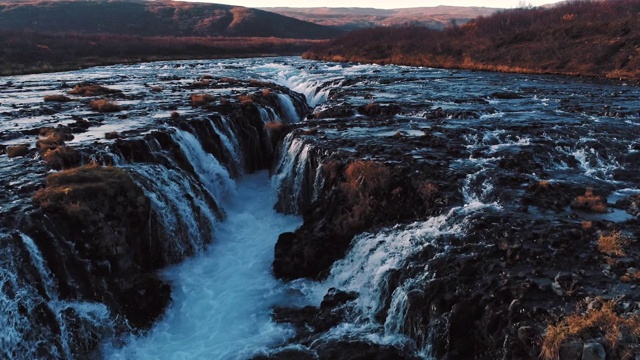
[[340, 111], [375, 109], [360, 195], [96, 239]]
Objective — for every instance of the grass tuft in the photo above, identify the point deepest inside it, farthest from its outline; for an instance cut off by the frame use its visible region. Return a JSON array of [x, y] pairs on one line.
[[597, 321], [612, 243], [104, 105], [590, 202]]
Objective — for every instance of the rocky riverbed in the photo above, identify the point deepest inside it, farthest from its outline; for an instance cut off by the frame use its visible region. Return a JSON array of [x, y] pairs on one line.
[[446, 214]]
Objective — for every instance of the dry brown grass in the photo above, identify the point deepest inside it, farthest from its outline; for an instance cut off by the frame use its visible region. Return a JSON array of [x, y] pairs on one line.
[[17, 150], [62, 157], [274, 125], [200, 84], [156, 88], [75, 191], [367, 175], [50, 138], [200, 99], [91, 90], [104, 105], [363, 180], [590, 202], [613, 243], [427, 190], [246, 98], [599, 321], [56, 98]]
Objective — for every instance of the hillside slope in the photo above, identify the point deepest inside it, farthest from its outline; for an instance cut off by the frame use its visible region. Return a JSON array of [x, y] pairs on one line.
[[154, 18], [437, 17], [591, 38]]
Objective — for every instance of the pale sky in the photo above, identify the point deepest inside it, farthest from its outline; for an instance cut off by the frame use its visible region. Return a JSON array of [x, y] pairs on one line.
[[381, 4]]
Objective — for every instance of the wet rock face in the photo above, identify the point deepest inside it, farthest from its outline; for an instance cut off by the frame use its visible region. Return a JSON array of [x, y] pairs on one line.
[[535, 215], [360, 195], [93, 226], [99, 220]]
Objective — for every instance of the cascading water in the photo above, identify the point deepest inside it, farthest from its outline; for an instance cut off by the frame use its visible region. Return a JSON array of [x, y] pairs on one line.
[[229, 141], [290, 173], [210, 172], [25, 301], [222, 297], [290, 110]]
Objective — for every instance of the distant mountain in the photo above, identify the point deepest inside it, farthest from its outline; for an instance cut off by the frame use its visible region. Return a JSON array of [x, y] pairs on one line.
[[357, 18], [154, 18]]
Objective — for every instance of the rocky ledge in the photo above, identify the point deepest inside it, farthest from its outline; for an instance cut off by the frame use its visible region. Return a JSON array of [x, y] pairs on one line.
[[96, 210], [531, 262]]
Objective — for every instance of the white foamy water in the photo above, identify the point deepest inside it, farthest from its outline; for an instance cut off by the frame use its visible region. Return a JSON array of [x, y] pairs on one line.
[[222, 298], [367, 266], [290, 110]]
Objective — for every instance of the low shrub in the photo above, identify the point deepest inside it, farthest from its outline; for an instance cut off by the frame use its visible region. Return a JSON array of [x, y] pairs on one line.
[[50, 138], [87, 89], [56, 98], [246, 98], [612, 243], [201, 99], [367, 176], [363, 180], [83, 191], [104, 105], [62, 157], [427, 191], [274, 125], [17, 150], [598, 321], [590, 202]]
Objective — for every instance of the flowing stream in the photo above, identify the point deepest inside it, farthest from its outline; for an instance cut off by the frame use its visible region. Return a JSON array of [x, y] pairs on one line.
[[222, 297], [580, 132]]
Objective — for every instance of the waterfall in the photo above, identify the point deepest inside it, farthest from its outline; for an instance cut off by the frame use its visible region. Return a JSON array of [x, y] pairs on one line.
[[65, 328], [223, 297], [229, 141], [291, 114], [306, 85], [185, 215], [290, 173], [265, 115], [211, 173], [369, 263]]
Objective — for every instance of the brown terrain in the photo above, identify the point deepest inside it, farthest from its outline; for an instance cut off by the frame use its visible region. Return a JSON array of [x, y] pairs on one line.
[[590, 38], [40, 36], [437, 17], [154, 18]]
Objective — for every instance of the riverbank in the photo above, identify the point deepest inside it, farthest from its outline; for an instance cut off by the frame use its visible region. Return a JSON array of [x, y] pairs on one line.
[[33, 52], [594, 39]]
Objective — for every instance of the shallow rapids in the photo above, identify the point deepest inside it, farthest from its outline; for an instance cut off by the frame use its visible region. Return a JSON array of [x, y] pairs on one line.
[[222, 298]]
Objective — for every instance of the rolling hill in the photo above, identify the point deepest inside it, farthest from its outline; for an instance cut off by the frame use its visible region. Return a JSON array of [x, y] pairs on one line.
[[587, 38], [154, 18], [437, 17]]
